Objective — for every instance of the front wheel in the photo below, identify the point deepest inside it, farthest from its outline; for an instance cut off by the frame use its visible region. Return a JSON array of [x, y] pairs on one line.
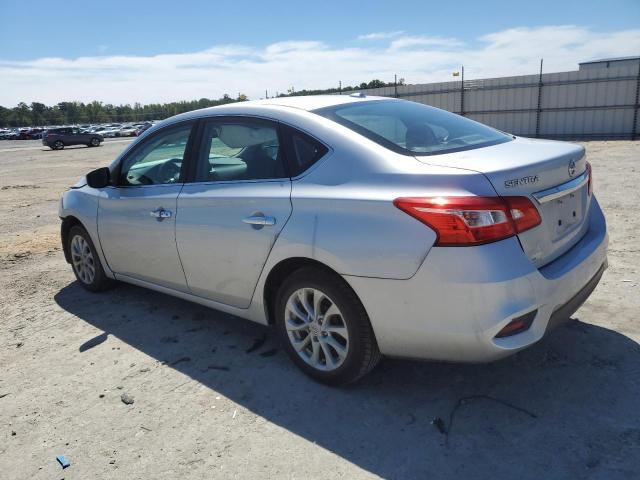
[[324, 327], [85, 261], [94, 142]]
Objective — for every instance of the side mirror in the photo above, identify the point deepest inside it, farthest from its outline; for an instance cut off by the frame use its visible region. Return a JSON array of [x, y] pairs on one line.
[[99, 178]]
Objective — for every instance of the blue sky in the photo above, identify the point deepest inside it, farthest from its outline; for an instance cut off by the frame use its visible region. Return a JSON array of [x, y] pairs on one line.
[[56, 51]]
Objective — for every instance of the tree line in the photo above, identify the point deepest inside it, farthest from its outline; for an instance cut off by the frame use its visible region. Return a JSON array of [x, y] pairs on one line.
[[68, 113]]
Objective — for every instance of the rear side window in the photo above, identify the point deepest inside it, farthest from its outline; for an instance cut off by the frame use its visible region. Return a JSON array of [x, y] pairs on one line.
[[239, 149], [412, 128], [302, 150]]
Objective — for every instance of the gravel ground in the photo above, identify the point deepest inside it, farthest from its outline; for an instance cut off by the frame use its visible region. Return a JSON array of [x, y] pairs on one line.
[[135, 384]]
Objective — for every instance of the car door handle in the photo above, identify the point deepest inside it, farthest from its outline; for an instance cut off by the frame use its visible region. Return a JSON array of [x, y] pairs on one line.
[[260, 220], [161, 213]]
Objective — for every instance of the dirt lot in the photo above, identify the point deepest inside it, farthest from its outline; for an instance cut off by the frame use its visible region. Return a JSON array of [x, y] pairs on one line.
[[216, 398]]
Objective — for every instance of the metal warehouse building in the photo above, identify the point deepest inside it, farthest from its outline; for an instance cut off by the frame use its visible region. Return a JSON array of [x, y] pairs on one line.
[[599, 100]]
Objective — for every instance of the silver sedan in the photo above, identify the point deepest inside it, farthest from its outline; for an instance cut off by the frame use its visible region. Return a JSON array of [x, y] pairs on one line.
[[356, 226]]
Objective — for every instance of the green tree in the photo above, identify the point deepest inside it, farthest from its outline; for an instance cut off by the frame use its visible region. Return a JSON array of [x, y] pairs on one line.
[[38, 111], [39, 114], [20, 116]]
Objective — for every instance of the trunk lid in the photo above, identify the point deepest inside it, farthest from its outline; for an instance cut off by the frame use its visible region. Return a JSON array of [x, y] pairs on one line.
[[552, 174]]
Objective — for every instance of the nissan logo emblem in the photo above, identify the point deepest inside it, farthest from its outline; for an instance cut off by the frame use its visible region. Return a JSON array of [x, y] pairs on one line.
[[572, 167]]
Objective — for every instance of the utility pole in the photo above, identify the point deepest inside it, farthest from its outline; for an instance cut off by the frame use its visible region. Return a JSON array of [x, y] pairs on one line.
[[539, 109], [462, 93], [636, 107], [266, 94], [340, 87]]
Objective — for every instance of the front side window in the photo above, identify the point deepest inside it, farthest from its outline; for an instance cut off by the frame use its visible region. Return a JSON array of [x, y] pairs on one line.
[[239, 149], [158, 161], [413, 128]]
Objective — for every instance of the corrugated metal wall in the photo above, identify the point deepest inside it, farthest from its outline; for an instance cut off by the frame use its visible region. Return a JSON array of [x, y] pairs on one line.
[[588, 103]]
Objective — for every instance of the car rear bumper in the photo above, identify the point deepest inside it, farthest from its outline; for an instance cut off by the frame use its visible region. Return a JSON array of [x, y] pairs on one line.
[[460, 298]]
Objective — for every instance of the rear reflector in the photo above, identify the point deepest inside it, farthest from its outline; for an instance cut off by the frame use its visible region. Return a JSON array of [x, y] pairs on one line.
[[517, 325], [460, 221]]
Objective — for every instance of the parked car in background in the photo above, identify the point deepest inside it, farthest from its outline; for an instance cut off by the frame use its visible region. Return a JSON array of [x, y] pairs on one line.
[[14, 134], [128, 131], [143, 128], [356, 226], [34, 134], [58, 138], [108, 132]]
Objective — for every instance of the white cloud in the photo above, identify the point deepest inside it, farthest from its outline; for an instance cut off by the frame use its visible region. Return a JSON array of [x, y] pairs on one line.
[[380, 35], [424, 41], [303, 64]]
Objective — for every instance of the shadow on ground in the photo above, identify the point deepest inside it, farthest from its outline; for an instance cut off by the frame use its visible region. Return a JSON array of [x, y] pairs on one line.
[[575, 394]]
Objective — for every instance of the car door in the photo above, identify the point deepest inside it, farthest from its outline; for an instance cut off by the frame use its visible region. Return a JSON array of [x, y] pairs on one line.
[[234, 209], [65, 135], [75, 138], [83, 137], [136, 216]]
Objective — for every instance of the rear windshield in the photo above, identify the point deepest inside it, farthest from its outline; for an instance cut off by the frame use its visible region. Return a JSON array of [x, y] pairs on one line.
[[413, 128]]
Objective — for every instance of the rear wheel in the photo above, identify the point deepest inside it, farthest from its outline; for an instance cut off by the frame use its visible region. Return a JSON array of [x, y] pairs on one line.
[[324, 327], [58, 145], [85, 261]]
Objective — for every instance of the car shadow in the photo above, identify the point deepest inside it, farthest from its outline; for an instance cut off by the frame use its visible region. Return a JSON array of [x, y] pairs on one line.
[[565, 408]]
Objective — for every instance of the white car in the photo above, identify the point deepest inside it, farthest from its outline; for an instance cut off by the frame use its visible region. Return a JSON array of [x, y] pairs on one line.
[[128, 131], [109, 132]]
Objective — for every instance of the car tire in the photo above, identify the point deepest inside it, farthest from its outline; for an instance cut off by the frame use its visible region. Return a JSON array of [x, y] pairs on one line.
[[85, 261], [94, 142], [58, 145], [341, 330]]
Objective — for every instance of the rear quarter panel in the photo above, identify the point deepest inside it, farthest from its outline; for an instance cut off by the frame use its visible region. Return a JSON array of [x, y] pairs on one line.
[[343, 213]]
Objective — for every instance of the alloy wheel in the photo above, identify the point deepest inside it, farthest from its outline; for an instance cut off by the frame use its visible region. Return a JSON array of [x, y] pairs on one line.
[[316, 329], [82, 259]]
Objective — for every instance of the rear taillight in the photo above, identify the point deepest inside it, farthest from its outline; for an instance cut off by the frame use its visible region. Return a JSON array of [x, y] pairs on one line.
[[590, 180], [523, 213], [460, 221]]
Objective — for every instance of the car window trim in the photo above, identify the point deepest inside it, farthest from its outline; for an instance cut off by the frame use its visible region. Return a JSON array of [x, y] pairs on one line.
[[186, 160], [202, 123]]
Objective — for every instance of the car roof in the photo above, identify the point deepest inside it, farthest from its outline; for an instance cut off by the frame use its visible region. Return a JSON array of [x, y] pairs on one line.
[[314, 102], [305, 103], [257, 107]]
